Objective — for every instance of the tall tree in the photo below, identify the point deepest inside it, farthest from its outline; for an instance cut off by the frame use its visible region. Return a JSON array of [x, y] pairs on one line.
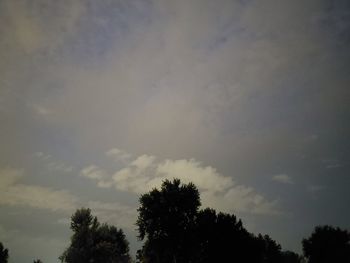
[[4, 254], [175, 230], [222, 238], [269, 249], [166, 220], [327, 244], [291, 257], [93, 242]]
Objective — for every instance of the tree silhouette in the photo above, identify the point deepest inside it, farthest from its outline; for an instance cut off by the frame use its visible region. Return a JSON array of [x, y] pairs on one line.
[[268, 249], [291, 257], [37, 261], [4, 254], [327, 244], [166, 221], [175, 230], [222, 238], [93, 242]]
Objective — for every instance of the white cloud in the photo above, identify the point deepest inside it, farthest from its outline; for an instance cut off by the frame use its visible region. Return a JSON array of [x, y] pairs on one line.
[[13, 193], [217, 191], [118, 154], [283, 178], [205, 177], [92, 172], [95, 173], [143, 162]]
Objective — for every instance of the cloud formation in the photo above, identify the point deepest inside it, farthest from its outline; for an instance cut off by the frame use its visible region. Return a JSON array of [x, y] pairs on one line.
[[52, 164], [118, 154], [283, 178], [13, 193], [146, 172], [95, 173]]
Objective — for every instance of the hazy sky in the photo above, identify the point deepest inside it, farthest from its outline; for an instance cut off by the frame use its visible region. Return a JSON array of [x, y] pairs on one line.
[[102, 100]]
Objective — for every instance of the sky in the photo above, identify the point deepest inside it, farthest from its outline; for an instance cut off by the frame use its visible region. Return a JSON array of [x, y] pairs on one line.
[[100, 101]]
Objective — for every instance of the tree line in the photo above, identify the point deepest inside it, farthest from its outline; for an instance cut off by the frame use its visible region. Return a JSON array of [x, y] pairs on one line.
[[174, 229]]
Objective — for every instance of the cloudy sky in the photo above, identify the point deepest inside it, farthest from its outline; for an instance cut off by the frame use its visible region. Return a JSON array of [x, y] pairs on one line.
[[102, 100]]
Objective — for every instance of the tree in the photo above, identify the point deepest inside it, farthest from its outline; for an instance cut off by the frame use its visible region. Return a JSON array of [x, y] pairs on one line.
[[166, 222], [93, 242], [4, 254], [327, 244], [291, 257], [37, 261], [269, 249], [175, 230], [110, 245], [222, 238]]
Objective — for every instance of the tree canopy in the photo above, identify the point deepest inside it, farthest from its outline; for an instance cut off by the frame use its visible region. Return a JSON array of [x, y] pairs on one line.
[[222, 238], [4, 254], [175, 230], [327, 244], [166, 219], [291, 257], [95, 242]]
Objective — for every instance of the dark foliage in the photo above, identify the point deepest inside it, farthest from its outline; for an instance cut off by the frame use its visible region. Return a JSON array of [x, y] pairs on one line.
[[291, 257], [93, 242], [37, 261], [4, 254], [220, 236], [327, 244], [166, 220], [268, 250], [175, 230]]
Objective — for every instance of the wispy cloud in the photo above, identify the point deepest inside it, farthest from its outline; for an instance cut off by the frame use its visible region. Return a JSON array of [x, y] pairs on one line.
[[52, 164], [13, 193], [95, 173], [118, 154], [283, 178]]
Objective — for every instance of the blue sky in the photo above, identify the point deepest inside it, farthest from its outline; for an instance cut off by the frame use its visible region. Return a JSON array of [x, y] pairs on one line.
[[100, 102]]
